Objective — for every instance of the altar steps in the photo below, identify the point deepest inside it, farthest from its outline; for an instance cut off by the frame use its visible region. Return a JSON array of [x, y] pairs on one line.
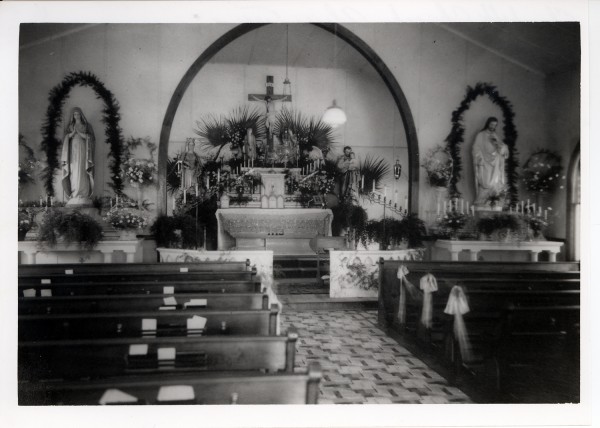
[[299, 285]]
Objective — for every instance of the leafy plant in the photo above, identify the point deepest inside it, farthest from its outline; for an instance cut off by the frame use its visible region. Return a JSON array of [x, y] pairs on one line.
[[488, 225], [373, 170], [28, 165], [438, 165], [394, 232], [349, 216], [178, 231], [72, 227]]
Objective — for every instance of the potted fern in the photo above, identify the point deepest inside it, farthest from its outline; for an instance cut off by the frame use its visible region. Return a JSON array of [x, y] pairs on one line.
[[69, 227]]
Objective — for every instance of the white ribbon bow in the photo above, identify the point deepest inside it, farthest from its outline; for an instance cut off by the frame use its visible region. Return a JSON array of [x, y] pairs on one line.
[[429, 285], [457, 305]]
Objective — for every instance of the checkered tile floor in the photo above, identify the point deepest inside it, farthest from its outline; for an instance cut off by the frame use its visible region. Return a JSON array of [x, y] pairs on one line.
[[361, 364]]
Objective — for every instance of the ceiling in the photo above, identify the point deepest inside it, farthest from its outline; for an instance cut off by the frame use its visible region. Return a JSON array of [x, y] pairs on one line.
[[544, 48]]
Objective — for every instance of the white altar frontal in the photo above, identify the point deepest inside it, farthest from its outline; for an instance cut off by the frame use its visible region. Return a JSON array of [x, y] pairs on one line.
[[284, 230]]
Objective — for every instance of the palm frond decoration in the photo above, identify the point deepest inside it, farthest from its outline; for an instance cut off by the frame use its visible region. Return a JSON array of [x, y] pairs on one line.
[[219, 131], [308, 132], [373, 169], [173, 179]]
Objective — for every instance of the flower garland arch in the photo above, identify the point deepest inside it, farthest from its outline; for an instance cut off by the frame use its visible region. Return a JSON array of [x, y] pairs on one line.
[[455, 138], [111, 117]]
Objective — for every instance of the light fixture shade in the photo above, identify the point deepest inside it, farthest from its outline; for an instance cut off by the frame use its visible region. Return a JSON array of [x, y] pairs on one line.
[[334, 116]]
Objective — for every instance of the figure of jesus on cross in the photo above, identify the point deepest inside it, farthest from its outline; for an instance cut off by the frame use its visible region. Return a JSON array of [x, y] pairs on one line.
[[271, 114]]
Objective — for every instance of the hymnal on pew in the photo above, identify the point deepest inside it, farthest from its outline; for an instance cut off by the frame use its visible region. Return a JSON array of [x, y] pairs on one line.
[[175, 393], [169, 290], [138, 349], [112, 395], [196, 303], [30, 292], [166, 353], [46, 292], [170, 301]]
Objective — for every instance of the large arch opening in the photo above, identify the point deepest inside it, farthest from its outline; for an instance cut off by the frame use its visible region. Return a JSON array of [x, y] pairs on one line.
[[338, 31]]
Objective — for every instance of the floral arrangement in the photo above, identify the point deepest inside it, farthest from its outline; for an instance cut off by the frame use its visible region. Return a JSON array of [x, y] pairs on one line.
[[453, 221], [249, 179], [439, 165], [542, 172], [125, 218], [537, 224], [25, 223], [291, 182], [496, 197], [140, 172]]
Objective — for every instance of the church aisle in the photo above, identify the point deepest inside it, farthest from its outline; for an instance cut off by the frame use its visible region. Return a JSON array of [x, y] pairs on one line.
[[361, 365]]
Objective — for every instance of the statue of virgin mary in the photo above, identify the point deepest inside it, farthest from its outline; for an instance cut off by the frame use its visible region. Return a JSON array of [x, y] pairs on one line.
[[78, 159]]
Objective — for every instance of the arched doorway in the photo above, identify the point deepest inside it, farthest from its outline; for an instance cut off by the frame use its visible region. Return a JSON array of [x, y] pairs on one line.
[[361, 47], [574, 205]]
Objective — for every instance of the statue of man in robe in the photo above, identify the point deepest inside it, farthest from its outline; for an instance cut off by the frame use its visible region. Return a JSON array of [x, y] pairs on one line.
[[191, 162], [348, 166], [77, 159], [489, 155]]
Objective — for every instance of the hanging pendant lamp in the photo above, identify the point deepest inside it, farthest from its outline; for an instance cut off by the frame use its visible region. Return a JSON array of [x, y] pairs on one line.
[[334, 116]]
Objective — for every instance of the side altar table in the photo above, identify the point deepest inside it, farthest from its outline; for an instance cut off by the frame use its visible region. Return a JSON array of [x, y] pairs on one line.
[[474, 247], [283, 230]]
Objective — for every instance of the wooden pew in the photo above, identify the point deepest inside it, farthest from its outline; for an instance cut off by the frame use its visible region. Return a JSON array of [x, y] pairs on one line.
[[127, 268], [77, 359], [109, 288], [489, 296], [137, 277], [137, 302], [541, 343], [208, 388], [129, 324]]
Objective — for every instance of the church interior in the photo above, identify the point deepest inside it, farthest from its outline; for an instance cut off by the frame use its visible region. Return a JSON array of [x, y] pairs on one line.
[[299, 213]]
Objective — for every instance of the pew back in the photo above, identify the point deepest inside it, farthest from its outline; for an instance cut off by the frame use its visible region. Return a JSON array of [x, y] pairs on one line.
[[208, 388], [98, 358], [139, 302], [130, 324]]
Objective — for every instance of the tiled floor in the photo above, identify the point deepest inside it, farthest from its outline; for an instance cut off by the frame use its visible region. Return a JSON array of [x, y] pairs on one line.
[[361, 364]]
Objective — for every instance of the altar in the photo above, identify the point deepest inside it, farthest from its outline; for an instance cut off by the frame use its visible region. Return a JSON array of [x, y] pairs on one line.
[[282, 230], [531, 248]]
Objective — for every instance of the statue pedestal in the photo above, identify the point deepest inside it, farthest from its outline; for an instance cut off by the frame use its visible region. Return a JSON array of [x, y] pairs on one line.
[[79, 202]]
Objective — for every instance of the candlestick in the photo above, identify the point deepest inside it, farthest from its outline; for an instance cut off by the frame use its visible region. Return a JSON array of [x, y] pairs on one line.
[[473, 210], [438, 208], [384, 191], [539, 211], [196, 189], [362, 183], [406, 201], [41, 201], [462, 206], [111, 203], [51, 200], [467, 207], [445, 207], [184, 198], [373, 185], [219, 175], [545, 214]]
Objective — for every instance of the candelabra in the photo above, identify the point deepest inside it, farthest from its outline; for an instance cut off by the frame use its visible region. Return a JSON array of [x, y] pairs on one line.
[[381, 199]]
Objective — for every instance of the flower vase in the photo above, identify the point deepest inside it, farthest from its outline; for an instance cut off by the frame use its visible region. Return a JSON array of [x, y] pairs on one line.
[[127, 235], [140, 197]]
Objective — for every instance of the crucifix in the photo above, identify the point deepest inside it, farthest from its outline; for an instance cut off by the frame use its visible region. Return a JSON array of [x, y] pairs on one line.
[[268, 98]]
